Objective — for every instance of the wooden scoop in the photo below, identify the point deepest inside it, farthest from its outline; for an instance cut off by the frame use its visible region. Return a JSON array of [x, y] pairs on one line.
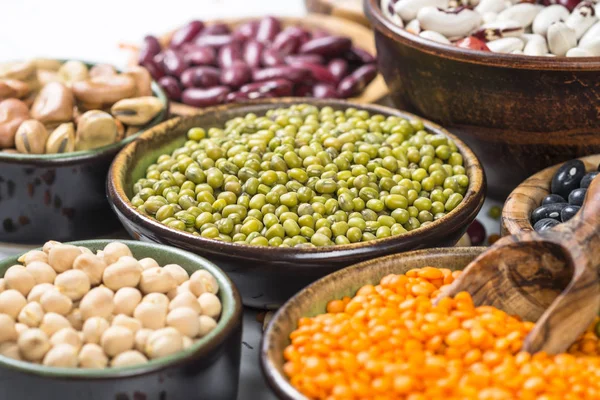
[[549, 277]]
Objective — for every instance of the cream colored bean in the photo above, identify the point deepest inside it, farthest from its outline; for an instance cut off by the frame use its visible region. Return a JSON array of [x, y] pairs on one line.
[[123, 320], [547, 16], [413, 27], [53, 322], [591, 35], [33, 344], [523, 13], [115, 250], [207, 324], [209, 283], [33, 255], [94, 328], [38, 290], [68, 336], [186, 299], [561, 38], [506, 45], [12, 302], [178, 272], [126, 272], [185, 320], [128, 359], [582, 18], [92, 265], [579, 52], [10, 350], [126, 300], [20, 328], [408, 9], [157, 280], [92, 356], [64, 356], [116, 340], [54, 301], [211, 305], [434, 36], [449, 24], [592, 46], [18, 278], [148, 263], [164, 342], [73, 284], [536, 45], [98, 302], [8, 331], [151, 315], [31, 315], [141, 337], [41, 271], [158, 299], [75, 318], [487, 6]]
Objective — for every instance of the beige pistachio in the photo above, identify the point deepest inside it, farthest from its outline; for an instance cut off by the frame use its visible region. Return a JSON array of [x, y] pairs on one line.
[[102, 70], [12, 114], [21, 71], [72, 72], [54, 104], [62, 139], [31, 137], [95, 129], [143, 80], [104, 89], [10, 88], [137, 111]]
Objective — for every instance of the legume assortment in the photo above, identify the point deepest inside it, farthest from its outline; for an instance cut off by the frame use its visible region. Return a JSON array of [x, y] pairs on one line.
[[390, 342], [68, 307], [538, 28], [304, 177]]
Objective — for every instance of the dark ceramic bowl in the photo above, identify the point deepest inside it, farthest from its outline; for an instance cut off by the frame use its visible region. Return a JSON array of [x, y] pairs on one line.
[[516, 214], [60, 196], [518, 113], [312, 301], [207, 370], [267, 277]]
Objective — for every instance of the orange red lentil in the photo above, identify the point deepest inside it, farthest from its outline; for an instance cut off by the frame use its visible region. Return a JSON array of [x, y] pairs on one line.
[[391, 342]]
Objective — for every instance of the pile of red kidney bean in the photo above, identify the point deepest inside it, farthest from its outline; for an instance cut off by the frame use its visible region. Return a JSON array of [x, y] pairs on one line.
[[208, 65]]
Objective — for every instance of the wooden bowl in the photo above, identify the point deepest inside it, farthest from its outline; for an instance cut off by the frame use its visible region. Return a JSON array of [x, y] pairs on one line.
[[312, 301], [361, 36], [269, 276], [518, 113], [516, 214], [347, 9], [207, 370]]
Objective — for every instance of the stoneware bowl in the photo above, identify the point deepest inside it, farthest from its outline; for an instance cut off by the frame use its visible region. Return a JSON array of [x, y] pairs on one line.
[[518, 113], [207, 370], [313, 300], [60, 196], [360, 35], [528, 196], [267, 277]]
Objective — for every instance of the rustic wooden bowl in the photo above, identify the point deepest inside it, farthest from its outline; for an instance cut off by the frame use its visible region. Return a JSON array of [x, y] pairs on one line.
[[361, 36], [528, 196], [267, 277], [348, 9], [519, 113], [312, 301]]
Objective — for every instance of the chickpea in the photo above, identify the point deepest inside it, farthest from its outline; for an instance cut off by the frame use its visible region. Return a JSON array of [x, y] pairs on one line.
[[197, 286], [185, 299], [31, 315], [53, 322], [93, 329], [128, 359], [210, 282], [157, 280], [130, 323], [75, 318], [211, 305], [33, 255], [207, 324], [148, 263], [33, 344], [10, 350], [187, 342], [12, 302], [115, 250], [98, 302], [64, 355], [55, 301], [171, 294], [126, 300], [62, 256], [177, 272], [8, 331], [92, 356], [49, 245], [141, 337], [73, 283], [127, 271], [38, 290], [164, 342], [151, 315], [18, 278], [92, 265], [68, 336], [20, 328], [41, 271], [2, 285], [185, 320], [116, 339], [184, 287]]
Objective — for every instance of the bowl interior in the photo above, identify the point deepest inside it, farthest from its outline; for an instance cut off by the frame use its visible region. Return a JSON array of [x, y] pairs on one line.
[[131, 164], [313, 300], [164, 255]]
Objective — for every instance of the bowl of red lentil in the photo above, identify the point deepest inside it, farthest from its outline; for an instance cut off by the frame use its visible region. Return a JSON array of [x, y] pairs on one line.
[[371, 331]]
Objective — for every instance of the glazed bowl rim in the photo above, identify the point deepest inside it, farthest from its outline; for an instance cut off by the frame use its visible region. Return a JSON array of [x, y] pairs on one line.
[[473, 198], [230, 315], [388, 28], [278, 382]]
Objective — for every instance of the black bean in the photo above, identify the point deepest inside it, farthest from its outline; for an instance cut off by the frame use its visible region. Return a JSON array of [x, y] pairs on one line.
[[577, 196], [587, 179], [545, 224], [567, 178], [568, 212], [547, 211], [553, 198]]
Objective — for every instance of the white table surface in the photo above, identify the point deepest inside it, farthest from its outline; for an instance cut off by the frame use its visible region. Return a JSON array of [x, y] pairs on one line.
[[92, 31]]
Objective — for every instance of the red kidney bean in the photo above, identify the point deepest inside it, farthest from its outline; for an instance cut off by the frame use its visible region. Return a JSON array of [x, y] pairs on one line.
[[186, 33], [471, 42], [277, 87], [268, 28], [318, 72], [360, 55], [200, 77], [214, 40], [329, 46], [199, 55], [253, 53], [570, 4], [324, 91], [150, 47], [216, 29], [309, 58], [236, 74], [338, 68], [155, 70], [205, 97], [319, 33], [272, 58], [173, 63], [158, 59], [357, 80], [240, 96], [291, 73], [303, 90], [287, 41], [228, 54], [171, 87], [246, 31]]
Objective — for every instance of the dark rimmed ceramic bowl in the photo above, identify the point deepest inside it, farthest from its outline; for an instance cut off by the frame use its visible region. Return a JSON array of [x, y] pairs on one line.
[[60, 196], [516, 214], [267, 277], [207, 370], [518, 113], [312, 301]]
